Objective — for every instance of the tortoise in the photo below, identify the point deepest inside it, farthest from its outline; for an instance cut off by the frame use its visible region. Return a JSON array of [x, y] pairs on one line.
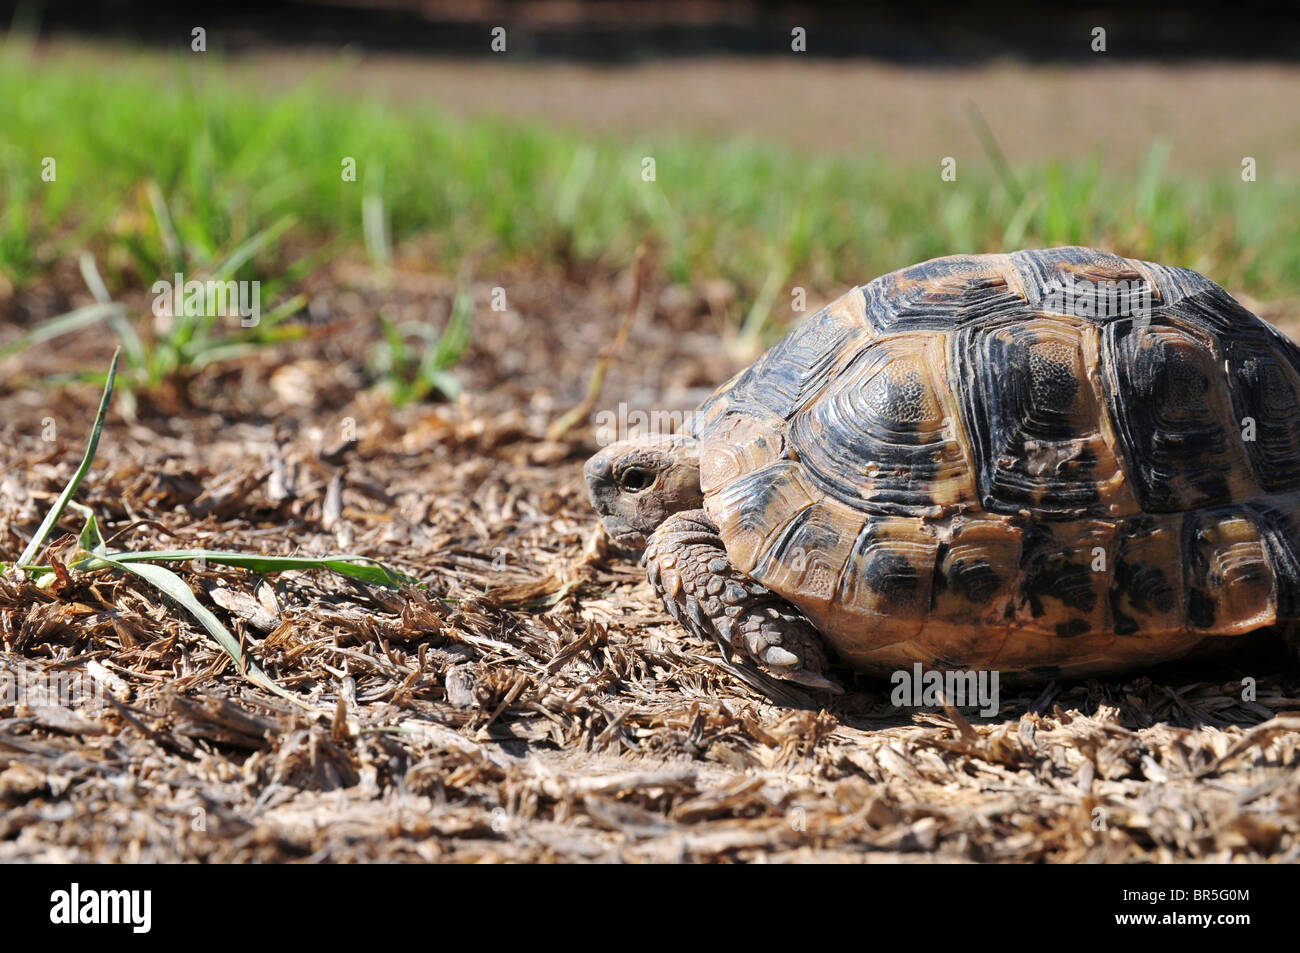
[[1048, 463]]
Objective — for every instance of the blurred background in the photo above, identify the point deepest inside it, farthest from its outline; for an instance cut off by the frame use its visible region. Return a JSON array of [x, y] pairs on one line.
[[760, 150], [621, 30]]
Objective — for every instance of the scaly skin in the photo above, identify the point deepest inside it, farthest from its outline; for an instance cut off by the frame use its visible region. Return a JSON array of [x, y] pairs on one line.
[[688, 565]]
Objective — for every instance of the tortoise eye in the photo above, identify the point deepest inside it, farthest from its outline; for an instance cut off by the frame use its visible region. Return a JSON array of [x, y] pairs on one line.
[[636, 479]]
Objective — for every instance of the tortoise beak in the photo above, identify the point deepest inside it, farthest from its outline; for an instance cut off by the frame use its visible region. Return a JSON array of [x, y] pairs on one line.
[[622, 534]]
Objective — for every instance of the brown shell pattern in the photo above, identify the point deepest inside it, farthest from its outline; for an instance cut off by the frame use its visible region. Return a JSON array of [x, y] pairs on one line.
[[1054, 461]]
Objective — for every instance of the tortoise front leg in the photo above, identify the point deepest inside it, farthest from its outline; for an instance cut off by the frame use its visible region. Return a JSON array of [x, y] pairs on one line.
[[689, 568]]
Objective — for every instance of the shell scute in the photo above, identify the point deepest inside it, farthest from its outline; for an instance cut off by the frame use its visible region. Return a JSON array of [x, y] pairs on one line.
[[1033, 407], [1146, 592], [1169, 398], [808, 554], [957, 465], [943, 293], [1230, 582], [885, 430], [749, 510]]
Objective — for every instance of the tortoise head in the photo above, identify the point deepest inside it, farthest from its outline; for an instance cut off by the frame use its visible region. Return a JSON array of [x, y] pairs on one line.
[[637, 484]]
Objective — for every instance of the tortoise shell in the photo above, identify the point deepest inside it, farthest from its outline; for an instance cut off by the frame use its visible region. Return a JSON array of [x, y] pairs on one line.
[[1054, 461]]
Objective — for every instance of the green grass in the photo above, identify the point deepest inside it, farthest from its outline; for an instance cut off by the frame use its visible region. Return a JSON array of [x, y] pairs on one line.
[[415, 359], [174, 164], [144, 565]]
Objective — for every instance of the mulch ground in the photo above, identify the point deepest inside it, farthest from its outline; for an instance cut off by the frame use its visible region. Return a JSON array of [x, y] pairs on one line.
[[534, 703]]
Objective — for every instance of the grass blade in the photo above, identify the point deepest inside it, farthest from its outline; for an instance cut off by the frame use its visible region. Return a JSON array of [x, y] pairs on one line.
[[251, 246], [356, 567], [125, 333], [756, 322], [455, 338], [63, 324], [166, 230], [994, 152], [174, 587], [374, 223], [90, 539], [56, 512]]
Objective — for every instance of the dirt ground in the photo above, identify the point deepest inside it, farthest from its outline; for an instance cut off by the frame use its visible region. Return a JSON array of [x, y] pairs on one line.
[[535, 703]]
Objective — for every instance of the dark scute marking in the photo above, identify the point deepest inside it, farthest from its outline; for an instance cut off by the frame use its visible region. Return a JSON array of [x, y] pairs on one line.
[[900, 399], [893, 577], [1068, 630], [1177, 449], [1200, 609], [1020, 404], [1046, 572], [1178, 284], [1053, 387], [806, 533], [1070, 583], [1146, 587], [1266, 389], [977, 302], [760, 496], [1122, 623], [937, 295], [1040, 270], [1212, 308], [1214, 485], [974, 579]]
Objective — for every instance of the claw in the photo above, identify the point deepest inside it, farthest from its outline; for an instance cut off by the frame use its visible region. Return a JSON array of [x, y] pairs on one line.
[[724, 628], [697, 615], [780, 657], [813, 680]]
